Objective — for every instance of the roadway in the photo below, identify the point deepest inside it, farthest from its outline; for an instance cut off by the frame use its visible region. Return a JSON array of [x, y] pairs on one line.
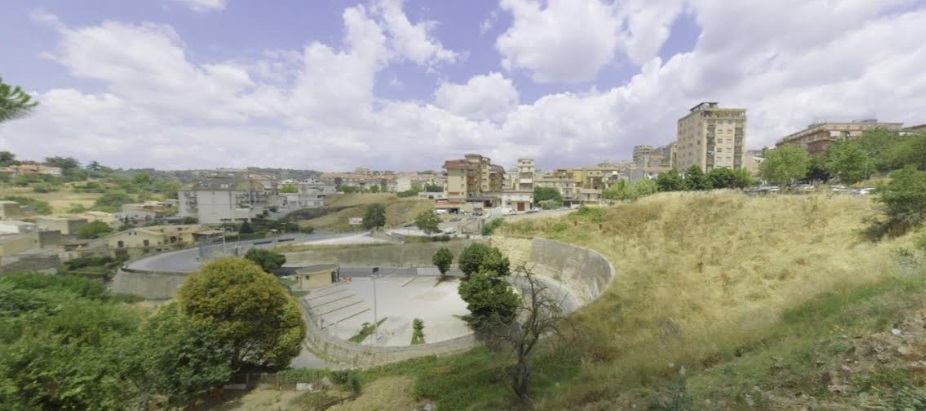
[[186, 261]]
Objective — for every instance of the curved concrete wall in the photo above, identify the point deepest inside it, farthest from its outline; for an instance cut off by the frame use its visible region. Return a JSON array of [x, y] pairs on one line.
[[389, 255], [584, 272]]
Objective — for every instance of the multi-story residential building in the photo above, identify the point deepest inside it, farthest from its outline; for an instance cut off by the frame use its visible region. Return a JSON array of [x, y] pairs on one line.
[[223, 198], [710, 137], [309, 194], [817, 136], [642, 155], [662, 157], [473, 177], [565, 185], [525, 174]]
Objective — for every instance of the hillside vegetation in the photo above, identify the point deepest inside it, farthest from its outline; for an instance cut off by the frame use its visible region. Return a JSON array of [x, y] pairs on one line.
[[342, 207], [703, 278]]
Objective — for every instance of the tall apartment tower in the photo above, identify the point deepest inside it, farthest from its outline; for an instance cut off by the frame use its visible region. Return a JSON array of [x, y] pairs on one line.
[[711, 137], [525, 174], [642, 155]]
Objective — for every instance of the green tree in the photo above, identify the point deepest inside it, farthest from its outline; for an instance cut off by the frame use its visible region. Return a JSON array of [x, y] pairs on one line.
[[64, 163], [904, 199], [695, 179], [848, 161], [471, 258], [727, 178], [7, 159], [257, 320], [14, 102], [910, 151], [174, 360], [442, 258], [878, 143], [428, 221], [246, 228], [433, 188], [670, 181], [547, 193], [112, 201], [785, 164], [289, 188], [374, 217], [621, 190], [817, 170], [490, 300], [645, 187], [266, 259], [94, 229]]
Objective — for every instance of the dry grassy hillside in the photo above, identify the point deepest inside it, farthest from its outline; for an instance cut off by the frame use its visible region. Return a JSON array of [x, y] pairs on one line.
[[701, 274], [399, 211], [60, 201]]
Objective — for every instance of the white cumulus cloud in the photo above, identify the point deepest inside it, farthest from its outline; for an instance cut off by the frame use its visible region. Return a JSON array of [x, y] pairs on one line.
[[484, 97]]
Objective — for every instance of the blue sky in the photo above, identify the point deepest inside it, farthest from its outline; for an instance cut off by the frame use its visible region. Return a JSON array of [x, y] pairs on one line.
[[404, 85]]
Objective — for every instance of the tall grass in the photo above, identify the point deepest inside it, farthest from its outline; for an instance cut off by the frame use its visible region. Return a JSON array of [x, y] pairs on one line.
[[704, 275]]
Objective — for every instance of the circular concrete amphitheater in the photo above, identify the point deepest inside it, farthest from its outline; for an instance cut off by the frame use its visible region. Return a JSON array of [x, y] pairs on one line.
[[406, 287]]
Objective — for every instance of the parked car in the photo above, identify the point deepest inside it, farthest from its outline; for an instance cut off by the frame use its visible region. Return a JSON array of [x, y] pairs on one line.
[[863, 191], [533, 210]]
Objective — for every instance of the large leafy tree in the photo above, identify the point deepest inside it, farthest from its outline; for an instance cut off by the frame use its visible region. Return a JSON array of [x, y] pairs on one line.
[[94, 229], [490, 300], [670, 181], [878, 143], [375, 216], [727, 178], [547, 193], [695, 179], [175, 360], [471, 258], [428, 221], [257, 321], [848, 161], [14, 102], [785, 164]]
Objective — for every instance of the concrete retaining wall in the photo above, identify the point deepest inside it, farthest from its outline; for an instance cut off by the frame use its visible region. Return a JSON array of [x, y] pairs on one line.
[[388, 255], [150, 285], [584, 272]]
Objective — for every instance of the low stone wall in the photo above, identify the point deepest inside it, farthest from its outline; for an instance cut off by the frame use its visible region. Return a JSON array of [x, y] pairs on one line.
[[151, 285]]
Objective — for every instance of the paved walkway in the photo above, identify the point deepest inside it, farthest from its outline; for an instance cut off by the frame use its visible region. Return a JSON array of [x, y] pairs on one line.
[[345, 307]]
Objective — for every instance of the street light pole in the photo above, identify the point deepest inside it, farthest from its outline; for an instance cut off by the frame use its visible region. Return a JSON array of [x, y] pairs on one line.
[[375, 318], [224, 252]]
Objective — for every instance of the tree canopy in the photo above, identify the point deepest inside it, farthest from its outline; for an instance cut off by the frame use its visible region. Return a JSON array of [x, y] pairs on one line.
[[14, 102], [848, 161], [266, 259], [374, 217], [670, 181], [785, 164], [94, 229], [428, 221], [257, 321], [547, 194], [442, 259]]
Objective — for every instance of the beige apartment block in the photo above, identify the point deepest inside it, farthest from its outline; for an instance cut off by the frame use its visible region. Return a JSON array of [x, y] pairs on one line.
[[473, 176], [817, 136], [710, 137]]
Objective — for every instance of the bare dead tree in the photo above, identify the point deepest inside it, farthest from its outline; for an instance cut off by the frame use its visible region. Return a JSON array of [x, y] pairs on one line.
[[540, 316]]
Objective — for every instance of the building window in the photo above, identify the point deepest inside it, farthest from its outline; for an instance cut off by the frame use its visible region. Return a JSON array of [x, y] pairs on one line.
[[120, 244]]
